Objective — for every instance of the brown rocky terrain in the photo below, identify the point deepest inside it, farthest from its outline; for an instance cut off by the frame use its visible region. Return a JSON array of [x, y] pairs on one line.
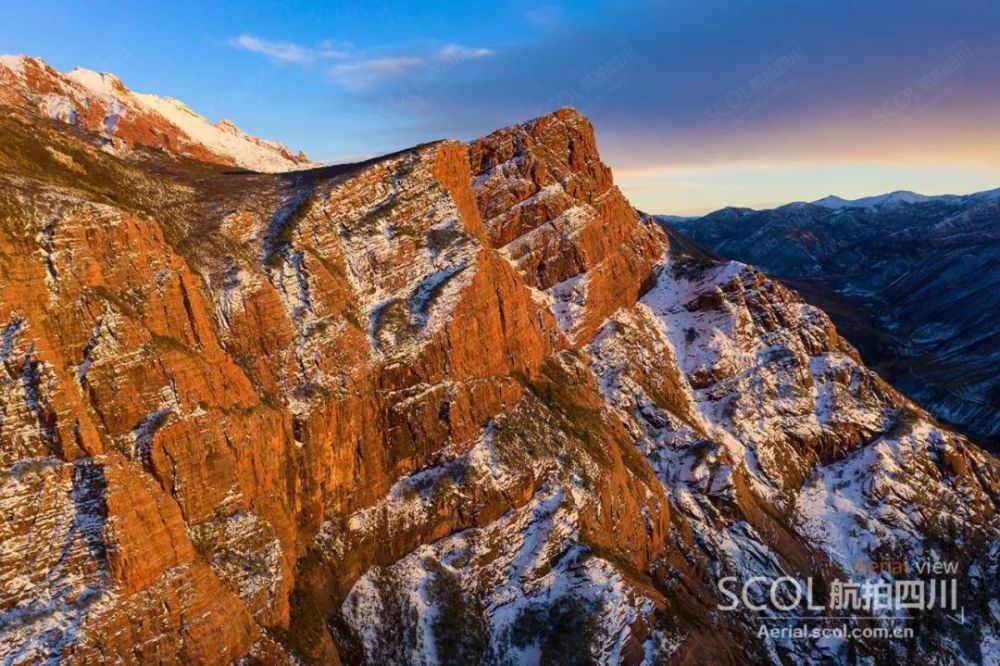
[[459, 404]]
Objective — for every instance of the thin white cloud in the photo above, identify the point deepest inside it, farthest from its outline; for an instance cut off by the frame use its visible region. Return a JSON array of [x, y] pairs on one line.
[[343, 45], [544, 15], [286, 51], [464, 53], [366, 72], [362, 73], [358, 68]]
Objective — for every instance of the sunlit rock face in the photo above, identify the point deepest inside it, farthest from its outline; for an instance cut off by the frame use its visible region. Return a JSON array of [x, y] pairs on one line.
[[460, 404], [551, 208]]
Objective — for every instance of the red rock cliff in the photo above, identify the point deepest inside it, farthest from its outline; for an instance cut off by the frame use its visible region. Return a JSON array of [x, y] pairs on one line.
[[551, 207]]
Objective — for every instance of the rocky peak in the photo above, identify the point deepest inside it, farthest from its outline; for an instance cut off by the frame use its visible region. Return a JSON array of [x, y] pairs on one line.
[[551, 208], [556, 151]]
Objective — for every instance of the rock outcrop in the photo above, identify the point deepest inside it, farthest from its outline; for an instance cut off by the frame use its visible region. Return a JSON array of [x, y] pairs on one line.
[[459, 404], [551, 208]]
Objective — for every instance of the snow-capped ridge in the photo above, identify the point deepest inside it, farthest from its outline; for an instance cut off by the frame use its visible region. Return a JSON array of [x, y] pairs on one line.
[[103, 83], [902, 197], [14, 63], [897, 197], [101, 102], [834, 202]]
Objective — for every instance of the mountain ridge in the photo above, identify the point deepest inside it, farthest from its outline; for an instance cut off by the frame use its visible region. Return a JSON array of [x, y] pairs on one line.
[[835, 202], [904, 197], [101, 102]]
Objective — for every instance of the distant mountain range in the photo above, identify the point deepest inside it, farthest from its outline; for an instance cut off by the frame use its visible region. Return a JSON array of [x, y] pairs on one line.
[[911, 280], [899, 197]]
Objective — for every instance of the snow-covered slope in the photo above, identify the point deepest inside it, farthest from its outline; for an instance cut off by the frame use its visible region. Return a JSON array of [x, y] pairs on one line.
[[912, 281], [102, 103], [223, 137]]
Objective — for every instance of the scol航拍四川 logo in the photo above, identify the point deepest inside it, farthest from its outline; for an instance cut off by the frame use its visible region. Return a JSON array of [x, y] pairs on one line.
[[878, 588]]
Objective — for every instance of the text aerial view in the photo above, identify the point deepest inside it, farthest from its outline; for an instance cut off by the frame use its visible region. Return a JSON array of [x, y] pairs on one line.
[[520, 333]]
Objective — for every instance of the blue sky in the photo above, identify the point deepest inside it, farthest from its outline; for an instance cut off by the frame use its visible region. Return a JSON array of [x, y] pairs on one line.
[[697, 103]]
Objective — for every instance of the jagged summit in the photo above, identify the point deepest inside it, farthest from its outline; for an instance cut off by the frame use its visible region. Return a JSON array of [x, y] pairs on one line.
[[551, 207], [102, 103]]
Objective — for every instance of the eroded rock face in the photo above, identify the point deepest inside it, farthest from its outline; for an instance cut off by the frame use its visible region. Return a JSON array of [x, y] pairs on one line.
[[335, 345], [458, 404], [551, 208]]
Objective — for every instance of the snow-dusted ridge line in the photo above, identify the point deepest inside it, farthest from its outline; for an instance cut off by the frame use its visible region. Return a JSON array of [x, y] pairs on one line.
[[77, 91], [223, 137], [899, 197], [834, 202]]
